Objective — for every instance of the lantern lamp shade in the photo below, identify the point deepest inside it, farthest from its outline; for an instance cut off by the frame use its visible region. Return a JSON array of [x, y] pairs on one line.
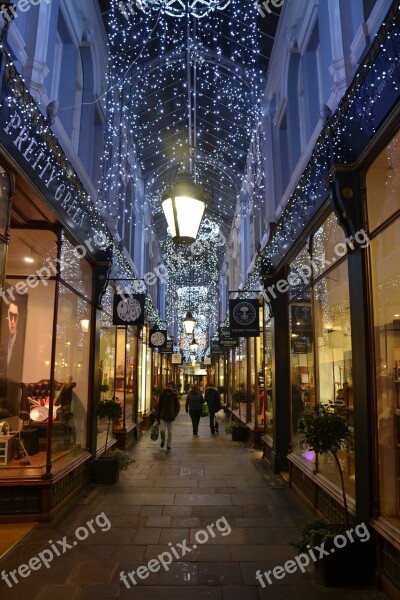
[[189, 322], [193, 345], [184, 207]]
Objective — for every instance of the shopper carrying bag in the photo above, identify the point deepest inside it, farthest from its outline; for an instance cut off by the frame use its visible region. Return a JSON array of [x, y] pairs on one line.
[[167, 410], [214, 405], [194, 401]]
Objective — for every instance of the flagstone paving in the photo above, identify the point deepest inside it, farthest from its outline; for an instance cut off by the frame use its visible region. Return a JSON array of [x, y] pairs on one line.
[[165, 503]]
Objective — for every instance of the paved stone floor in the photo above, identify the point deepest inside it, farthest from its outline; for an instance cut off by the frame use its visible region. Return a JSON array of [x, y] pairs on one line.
[[162, 500]]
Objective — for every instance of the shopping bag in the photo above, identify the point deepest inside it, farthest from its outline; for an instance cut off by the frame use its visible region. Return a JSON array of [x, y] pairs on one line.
[[154, 433], [220, 416], [204, 410]]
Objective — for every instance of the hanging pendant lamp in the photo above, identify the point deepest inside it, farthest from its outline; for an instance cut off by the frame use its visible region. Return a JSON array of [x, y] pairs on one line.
[[183, 206]]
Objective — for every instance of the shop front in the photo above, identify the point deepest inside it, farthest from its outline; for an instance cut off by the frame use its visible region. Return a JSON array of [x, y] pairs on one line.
[[59, 351], [335, 312]]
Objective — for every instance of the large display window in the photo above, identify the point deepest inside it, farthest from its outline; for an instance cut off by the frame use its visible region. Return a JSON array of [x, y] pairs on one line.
[[383, 204], [107, 362], [71, 372], [27, 345], [321, 350]]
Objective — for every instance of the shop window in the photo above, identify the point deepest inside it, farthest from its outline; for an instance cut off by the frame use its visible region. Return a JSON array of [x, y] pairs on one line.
[[75, 269], [71, 370], [327, 245], [107, 360], [386, 299], [383, 183], [26, 342], [299, 273], [321, 357], [266, 393], [301, 362], [383, 203], [334, 363]]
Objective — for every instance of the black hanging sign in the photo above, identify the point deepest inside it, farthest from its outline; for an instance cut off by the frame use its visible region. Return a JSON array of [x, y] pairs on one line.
[[129, 309], [225, 339], [168, 348], [215, 348], [158, 338], [243, 318]]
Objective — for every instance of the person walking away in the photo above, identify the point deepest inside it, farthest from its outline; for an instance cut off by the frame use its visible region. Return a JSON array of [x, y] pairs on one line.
[[213, 400], [166, 412], [194, 400]]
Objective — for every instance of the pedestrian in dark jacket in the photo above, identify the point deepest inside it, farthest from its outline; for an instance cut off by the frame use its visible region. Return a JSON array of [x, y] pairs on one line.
[[213, 400], [194, 400], [166, 412]]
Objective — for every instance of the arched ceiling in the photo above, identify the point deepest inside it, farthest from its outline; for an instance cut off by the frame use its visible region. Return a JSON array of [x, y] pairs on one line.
[[224, 59]]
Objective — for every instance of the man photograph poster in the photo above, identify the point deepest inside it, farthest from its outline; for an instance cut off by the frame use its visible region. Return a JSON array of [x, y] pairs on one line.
[[13, 327]]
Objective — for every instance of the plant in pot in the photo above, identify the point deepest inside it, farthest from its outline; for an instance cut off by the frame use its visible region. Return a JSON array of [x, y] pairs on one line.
[[104, 388], [325, 431], [238, 396], [238, 430], [105, 469]]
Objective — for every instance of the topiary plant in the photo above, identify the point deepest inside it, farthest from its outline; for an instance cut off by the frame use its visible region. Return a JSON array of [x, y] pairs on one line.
[[324, 430], [108, 409]]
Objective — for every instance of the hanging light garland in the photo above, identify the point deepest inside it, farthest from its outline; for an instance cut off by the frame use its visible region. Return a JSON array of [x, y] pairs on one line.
[[179, 8]]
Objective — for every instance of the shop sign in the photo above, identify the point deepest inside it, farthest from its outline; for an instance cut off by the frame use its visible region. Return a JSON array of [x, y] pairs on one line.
[[176, 359], [168, 348], [129, 309], [301, 319], [243, 318], [215, 348], [157, 338], [300, 346], [27, 146], [225, 339]]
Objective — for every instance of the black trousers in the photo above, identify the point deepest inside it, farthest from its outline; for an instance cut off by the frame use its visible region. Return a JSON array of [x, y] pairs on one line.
[[213, 423], [195, 416]]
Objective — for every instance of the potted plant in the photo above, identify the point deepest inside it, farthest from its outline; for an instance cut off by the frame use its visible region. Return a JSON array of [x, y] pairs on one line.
[[122, 457], [238, 430], [104, 388], [238, 396], [325, 431], [105, 469]]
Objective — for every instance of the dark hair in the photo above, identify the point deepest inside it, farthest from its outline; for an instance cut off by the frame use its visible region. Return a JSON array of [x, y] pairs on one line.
[[15, 302]]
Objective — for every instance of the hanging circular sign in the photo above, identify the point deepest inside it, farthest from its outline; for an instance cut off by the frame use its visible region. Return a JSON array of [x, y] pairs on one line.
[[244, 313], [129, 310], [157, 338]]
